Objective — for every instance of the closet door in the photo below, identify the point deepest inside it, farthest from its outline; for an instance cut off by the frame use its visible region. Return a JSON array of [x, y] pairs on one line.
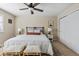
[[69, 31]]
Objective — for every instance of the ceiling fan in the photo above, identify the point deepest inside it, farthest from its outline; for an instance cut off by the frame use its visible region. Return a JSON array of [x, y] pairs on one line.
[[31, 7]]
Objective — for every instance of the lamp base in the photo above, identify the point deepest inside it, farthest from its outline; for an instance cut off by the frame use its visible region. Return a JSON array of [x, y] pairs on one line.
[[49, 33]]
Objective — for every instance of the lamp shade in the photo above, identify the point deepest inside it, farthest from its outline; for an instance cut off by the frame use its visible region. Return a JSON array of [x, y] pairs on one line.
[[49, 29], [19, 29]]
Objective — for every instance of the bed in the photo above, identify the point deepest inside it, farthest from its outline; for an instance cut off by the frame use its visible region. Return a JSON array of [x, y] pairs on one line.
[[32, 37]]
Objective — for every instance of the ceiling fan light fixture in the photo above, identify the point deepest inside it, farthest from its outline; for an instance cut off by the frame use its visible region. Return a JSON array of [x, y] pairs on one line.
[[30, 9]]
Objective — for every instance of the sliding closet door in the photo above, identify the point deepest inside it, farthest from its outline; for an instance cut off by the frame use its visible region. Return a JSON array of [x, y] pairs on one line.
[[69, 31]]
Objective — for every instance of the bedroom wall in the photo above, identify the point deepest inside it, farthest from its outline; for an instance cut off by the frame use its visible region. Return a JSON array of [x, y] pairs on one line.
[[69, 9], [8, 28], [70, 35], [23, 21]]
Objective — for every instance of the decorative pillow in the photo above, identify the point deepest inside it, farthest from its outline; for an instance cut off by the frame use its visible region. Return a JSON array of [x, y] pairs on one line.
[[32, 33]]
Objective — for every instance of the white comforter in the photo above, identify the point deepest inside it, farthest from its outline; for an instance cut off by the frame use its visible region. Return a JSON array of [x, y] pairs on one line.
[[40, 40]]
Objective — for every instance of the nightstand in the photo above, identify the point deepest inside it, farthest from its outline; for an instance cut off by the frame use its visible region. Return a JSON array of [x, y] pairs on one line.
[[50, 37]]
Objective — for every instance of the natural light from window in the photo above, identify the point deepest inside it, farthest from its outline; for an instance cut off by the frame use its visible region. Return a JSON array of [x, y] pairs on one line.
[[1, 24]]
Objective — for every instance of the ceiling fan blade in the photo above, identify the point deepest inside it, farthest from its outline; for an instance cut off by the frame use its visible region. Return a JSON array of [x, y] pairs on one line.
[[26, 4], [32, 12], [23, 9], [31, 5], [35, 4], [38, 9]]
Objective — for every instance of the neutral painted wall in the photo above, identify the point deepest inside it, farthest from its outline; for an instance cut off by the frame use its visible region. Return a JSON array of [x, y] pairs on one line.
[[69, 30], [69, 10], [54, 27], [8, 28], [23, 21]]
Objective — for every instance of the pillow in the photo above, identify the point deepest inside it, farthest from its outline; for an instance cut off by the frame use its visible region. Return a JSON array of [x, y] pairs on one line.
[[30, 30], [36, 31], [32, 33]]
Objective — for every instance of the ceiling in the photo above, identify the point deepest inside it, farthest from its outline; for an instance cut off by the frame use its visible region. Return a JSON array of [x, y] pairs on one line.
[[50, 9]]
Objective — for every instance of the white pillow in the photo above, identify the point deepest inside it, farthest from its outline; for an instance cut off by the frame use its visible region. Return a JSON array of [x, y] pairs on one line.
[[37, 31], [30, 29]]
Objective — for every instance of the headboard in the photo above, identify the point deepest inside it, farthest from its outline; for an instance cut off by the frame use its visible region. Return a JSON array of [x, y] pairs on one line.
[[34, 30]]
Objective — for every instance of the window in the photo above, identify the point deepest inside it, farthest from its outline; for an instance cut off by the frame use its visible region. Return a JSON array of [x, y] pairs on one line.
[[1, 24]]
